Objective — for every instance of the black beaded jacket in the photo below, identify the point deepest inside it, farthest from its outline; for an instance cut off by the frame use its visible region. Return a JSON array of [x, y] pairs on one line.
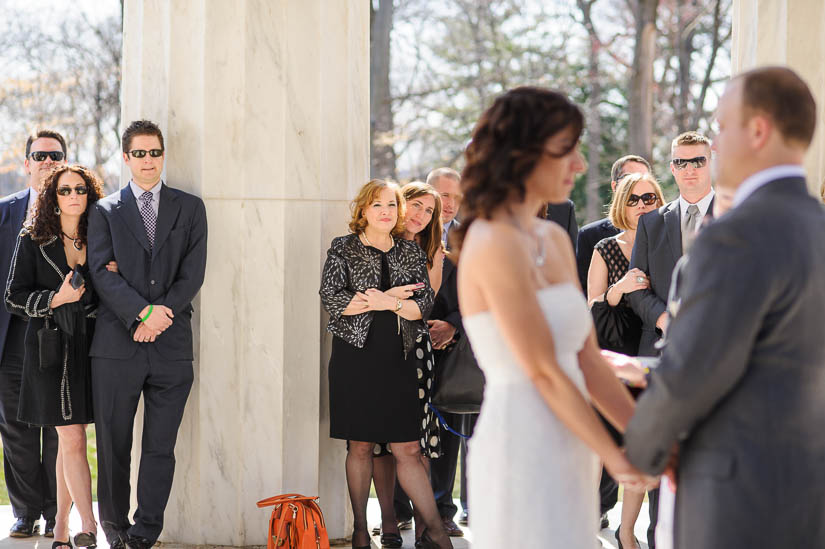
[[352, 267]]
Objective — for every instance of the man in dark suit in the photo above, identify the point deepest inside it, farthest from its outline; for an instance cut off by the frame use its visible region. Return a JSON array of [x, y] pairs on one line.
[[739, 386], [143, 336], [29, 467], [592, 233], [659, 242], [565, 215]]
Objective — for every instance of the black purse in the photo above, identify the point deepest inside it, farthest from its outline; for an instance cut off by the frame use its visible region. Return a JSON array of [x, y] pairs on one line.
[[459, 382], [50, 344], [617, 328]]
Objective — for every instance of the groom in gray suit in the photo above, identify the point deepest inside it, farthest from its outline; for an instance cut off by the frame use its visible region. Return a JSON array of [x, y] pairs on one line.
[[739, 386]]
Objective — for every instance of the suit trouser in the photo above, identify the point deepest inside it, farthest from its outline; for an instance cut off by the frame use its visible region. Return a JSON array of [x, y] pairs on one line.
[[29, 452], [117, 387], [608, 488], [443, 470]]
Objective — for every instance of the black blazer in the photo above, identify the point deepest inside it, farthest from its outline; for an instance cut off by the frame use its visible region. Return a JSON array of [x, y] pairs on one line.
[[657, 248], [565, 215], [170, 275], [12, 215], [741, 379], [590, 235]]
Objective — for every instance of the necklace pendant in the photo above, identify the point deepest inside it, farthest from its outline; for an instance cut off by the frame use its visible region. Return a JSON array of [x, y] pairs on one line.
[[77, 245], [540, 261]]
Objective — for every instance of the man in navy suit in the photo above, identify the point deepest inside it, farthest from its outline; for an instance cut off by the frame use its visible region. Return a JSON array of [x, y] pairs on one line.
[[143, 336], [29, 468]]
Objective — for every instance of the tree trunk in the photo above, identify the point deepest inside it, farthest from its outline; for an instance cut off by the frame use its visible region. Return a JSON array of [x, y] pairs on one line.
[[593, 119], [641, 79], [382, 154], [684, 44]]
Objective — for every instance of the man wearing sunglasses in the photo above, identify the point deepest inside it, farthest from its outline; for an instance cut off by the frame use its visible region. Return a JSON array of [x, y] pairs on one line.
[[29, 464], [143, 337], [661, 237]]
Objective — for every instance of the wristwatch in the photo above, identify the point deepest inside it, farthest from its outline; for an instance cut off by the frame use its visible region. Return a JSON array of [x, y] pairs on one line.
[[398, 305]]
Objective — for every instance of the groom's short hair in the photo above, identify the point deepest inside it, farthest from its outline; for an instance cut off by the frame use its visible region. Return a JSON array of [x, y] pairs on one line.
[[780, 94]]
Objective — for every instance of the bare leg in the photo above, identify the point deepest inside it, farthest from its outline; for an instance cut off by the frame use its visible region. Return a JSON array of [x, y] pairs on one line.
[[64, 501], [72, 447], [383, 476], [415, 481], [359, 477], [631, 504]]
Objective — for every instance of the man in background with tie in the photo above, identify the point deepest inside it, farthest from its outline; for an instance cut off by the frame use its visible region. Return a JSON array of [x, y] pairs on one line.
[[661, 238], [143, 336], [29, 453]]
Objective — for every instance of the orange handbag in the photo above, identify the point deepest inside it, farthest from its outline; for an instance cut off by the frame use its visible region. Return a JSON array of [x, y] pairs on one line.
[[296, 523]]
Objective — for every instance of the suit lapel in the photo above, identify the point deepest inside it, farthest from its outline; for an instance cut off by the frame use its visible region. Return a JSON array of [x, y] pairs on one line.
[[167, 215], [673, 229], [128, 210]]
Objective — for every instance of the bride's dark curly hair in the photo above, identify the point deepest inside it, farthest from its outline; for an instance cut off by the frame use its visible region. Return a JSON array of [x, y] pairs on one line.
[[46, 222], [507, 142]]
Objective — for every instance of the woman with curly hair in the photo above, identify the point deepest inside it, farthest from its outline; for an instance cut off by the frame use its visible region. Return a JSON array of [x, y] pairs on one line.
[[49, 284], [534, 455], [377, 292]]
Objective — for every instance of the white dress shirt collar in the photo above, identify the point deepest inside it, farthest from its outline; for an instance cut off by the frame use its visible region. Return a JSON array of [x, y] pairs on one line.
[[137, 191], [762, 178], [703, 205]]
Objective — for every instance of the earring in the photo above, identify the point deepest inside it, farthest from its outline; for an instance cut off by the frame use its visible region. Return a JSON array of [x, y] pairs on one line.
[[57, 210]]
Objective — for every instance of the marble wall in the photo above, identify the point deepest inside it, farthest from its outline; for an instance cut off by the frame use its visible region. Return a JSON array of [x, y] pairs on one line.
[[786, 32], [265, 108]]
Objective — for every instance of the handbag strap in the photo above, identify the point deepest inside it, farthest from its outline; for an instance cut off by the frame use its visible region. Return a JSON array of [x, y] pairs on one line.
[[444, 423]]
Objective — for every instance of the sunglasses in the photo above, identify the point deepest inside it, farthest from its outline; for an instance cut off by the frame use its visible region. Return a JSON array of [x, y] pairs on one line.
[[140, 153], [681, 163], [66, 191], [40, 156], [649, 199]]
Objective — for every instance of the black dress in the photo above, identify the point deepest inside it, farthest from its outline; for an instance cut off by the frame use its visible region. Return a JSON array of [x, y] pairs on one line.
[[631, 332], [373, 390], [61, 394]]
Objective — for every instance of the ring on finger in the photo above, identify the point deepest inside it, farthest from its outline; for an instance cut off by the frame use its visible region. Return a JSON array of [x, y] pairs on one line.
[[640, 279]]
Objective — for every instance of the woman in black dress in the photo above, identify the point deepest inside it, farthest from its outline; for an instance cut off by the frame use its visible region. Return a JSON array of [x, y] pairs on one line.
[[56, 388], [422, 225], [609, 280], [376, 290]]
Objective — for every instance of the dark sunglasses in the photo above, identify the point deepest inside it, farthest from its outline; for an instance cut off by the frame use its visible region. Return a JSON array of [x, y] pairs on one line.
[[66, 191], [40, 156], [140, 153], [648, 198], [681, 163]]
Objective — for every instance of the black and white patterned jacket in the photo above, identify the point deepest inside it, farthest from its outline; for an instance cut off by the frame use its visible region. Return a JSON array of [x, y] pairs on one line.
[[352, 267]]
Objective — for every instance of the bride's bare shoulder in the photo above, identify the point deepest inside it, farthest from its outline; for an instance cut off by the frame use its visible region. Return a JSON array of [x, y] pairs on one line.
[[489, 241]]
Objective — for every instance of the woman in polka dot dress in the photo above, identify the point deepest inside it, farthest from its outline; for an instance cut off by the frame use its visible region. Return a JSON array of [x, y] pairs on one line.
[[422, 225]]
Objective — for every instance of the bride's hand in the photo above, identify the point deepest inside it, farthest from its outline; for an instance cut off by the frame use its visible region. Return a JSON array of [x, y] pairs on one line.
[[624, 473], [626, 368]]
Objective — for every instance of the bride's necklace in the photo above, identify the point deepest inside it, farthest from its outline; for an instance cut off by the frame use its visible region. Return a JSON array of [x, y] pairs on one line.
[[75, 242], [539, 257], [392, 242]]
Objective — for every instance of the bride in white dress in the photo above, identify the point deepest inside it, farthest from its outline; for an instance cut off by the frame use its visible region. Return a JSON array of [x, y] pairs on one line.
[[534, 456]]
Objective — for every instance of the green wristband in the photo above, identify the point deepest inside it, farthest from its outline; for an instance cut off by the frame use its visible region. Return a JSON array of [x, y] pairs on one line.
[[145, 318]]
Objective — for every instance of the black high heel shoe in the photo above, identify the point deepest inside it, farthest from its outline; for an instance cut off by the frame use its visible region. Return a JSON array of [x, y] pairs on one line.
[[619, 541], [59, 544], [426, 542], [367, 546]]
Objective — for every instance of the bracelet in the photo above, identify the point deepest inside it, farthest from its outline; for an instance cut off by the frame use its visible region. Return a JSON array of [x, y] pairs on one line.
[[145, 318], [398, 305]]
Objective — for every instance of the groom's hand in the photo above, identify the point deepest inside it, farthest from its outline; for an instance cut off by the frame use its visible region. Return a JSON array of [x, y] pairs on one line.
[[626, 368]]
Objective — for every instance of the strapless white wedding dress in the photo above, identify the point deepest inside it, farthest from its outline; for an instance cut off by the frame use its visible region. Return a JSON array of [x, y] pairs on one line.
[[532, 483]]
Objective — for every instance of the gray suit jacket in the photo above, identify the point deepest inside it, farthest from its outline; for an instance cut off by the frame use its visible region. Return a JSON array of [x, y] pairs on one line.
[[657, 248], [741, 381]]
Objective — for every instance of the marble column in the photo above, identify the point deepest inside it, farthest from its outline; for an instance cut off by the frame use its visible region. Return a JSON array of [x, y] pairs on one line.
[[265, 109], [786, 32]]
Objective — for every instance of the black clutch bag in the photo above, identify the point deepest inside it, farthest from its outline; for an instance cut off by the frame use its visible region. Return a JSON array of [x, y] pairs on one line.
[[50, 344], [459, 382], [617, 328]]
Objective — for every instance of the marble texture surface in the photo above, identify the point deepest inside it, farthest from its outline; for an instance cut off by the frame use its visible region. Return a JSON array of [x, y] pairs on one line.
[[786, 32], [265, 109]]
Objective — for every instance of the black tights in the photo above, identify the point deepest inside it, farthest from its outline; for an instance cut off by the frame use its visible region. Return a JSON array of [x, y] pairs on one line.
[[413, 477], [383, 476]]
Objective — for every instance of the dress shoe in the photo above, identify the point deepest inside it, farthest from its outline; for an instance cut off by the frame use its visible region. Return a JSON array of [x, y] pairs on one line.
[[604, 522], [48, 529], [619, 541], [452, 528], [405, 524], [464, 518], [85, 539], [25, 528], [368, 546], [59, 544], [137, 542], [391, 541]]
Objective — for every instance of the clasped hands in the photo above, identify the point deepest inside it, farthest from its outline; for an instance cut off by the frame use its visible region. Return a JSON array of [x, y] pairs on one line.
[[160, 319], [373, 299]]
